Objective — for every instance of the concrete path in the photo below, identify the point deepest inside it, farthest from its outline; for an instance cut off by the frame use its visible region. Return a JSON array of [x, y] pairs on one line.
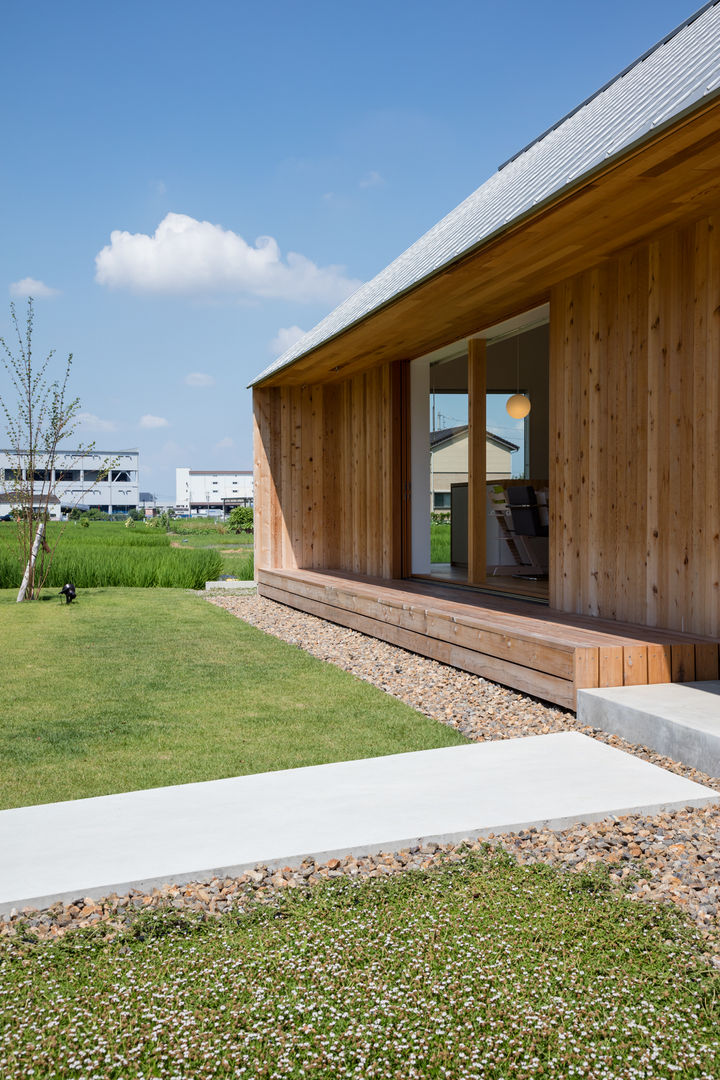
[[91, 847], [679, 720]]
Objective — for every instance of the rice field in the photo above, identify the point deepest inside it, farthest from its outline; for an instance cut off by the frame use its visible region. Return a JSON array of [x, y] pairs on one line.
[[110, 555]]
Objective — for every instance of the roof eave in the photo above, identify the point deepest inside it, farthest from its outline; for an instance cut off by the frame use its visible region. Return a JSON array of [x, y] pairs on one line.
[[522, 219]]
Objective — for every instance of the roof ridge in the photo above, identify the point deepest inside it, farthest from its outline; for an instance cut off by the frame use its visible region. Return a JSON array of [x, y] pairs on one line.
[[616, 78]]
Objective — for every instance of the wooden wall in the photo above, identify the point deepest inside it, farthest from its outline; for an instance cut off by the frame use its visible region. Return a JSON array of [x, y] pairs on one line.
[[635, 434], [329, 475]]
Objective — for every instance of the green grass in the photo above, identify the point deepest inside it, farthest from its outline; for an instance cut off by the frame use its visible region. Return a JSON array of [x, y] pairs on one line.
[[439, 543], [129, 689], [484, 970]]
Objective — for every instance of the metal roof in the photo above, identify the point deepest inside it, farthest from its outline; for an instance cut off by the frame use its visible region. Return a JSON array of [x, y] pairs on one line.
[[445, 434], [670, 79]]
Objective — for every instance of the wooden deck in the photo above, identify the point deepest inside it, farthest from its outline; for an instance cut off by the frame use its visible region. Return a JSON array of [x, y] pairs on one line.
[[526, 646]]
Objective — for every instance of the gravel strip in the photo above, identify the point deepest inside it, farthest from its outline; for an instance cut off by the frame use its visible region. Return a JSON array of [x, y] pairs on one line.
[[670, 857]]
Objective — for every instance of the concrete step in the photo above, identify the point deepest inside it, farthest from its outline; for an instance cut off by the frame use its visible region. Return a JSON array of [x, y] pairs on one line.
[[679, 720]]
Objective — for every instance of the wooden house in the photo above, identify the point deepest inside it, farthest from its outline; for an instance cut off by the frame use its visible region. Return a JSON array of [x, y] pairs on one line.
[[585, 274]]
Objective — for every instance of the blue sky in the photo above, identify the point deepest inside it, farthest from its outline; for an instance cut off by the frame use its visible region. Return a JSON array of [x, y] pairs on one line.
[[147, 147]]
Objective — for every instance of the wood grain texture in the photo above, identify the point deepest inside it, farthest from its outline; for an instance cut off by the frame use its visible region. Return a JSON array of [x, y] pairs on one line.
[[328, 474], [477, 488], [635, 435], [536, 650]]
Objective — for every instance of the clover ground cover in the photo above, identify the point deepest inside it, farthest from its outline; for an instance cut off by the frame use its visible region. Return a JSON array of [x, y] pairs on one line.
[[481, 969]]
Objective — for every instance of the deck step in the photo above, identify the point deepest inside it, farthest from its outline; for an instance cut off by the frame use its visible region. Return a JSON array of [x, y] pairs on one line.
[[534, 649]]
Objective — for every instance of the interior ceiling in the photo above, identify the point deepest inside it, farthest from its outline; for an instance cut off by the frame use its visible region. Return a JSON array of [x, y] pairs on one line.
[[674, 179], [448, 367]]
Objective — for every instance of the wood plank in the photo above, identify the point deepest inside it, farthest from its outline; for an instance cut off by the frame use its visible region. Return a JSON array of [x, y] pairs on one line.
[[546, 687], [522, 648], [659, 662], [483, 610], [586, 673], [635, 668], [477, 469], [610, 665], [683, 663], [306, 415], [287, 556], [330, 454], [317, 516], [706, 662], [275, 448], [556, 368], [262, 468]]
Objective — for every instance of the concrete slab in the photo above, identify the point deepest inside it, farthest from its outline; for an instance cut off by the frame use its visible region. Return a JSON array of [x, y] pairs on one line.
[[231, 583], [679, 720], [91, 847]]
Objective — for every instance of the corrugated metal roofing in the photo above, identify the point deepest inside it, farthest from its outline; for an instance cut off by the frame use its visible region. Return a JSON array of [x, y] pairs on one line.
[[670, 79]]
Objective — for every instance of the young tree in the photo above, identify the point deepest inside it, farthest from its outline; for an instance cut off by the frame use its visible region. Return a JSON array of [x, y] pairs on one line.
[[41, 415]]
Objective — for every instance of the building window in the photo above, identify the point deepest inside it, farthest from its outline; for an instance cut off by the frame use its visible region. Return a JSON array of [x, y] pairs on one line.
[[68, 476], [91, 476], [121, 475], [14, 474], [441, 500]]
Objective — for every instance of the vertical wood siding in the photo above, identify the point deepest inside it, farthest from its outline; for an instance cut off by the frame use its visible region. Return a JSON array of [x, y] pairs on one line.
[[635, 435], [328, 475]]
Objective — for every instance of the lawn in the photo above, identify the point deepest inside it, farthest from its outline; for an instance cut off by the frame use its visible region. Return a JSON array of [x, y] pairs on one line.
[[139, 688], [482, 969]]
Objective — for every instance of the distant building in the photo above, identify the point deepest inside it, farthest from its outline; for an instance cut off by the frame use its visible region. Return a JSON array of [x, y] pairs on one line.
[[11, 500], [212, 491], [449, 461], [75, 479]]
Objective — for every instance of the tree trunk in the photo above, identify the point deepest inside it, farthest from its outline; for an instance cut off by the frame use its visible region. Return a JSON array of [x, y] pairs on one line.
[[29, 575]]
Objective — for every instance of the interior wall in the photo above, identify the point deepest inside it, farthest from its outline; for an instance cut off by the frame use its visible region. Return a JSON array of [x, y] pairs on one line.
[[635, 429], [328, 475]]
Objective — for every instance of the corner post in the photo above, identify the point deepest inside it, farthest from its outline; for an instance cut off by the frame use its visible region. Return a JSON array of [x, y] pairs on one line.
[[477, 488]]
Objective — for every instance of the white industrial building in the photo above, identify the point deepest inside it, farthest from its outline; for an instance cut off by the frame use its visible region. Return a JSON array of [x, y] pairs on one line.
[[212, 491], [74, 481]]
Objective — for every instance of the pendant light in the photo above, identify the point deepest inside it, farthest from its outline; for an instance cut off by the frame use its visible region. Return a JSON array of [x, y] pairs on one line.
[[518, 405]]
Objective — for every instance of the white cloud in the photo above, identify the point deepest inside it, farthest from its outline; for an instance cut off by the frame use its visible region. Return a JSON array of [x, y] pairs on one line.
[[285, 339], [150, 421], [188, 256], [29, 286], [199, 378], [225, 444], [91, 422], [372, 179]]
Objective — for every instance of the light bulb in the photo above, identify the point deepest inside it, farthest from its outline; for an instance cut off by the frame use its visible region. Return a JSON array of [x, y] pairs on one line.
[[518, 406]]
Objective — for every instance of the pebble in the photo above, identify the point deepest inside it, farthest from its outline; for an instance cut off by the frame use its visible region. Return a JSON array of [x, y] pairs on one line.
[[671, 857]]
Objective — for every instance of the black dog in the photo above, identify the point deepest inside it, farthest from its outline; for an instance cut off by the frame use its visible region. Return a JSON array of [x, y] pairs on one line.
[[68, 591]]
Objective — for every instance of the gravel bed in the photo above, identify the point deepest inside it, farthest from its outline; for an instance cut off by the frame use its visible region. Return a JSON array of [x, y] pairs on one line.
[[670, 857]]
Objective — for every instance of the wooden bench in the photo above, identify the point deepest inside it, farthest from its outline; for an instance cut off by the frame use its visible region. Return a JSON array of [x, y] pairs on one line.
[[526, 646]]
